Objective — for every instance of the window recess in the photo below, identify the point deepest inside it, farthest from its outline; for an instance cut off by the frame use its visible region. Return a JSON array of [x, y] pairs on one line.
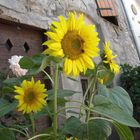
[[107, 10]]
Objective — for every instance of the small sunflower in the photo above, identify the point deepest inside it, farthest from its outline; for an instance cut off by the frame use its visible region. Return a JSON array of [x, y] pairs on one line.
[[74, 41], [103, 80], [31, 96], [108, 58], [71, 138]]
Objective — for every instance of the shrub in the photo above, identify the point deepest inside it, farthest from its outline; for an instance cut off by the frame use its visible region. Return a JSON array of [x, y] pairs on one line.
[[130, 81]]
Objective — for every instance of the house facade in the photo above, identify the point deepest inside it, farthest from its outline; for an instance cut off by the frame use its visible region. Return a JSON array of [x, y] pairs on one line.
[[40, 13], [22, 23]]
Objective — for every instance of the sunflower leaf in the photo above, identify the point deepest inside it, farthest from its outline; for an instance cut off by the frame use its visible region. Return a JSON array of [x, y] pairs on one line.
[[26, 62], [105, 107], [37, 59], [61, 93], [6, 134], [74, 127], [124, 132], [6, 107], [98, 130], [118, 96]]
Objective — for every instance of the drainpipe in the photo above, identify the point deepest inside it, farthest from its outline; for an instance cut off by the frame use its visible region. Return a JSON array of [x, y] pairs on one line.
[[134, 37]]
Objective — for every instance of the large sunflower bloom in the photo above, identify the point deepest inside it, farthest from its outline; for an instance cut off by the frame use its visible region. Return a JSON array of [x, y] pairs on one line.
[[74, 41], [31, 96], [108, 59]]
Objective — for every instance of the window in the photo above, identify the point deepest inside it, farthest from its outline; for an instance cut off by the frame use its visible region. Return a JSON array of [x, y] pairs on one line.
[[107, 10]]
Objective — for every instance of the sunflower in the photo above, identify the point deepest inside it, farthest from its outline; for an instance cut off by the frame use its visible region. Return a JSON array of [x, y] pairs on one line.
[[108, 59], [31, 96], [74, 41], [71, 138]]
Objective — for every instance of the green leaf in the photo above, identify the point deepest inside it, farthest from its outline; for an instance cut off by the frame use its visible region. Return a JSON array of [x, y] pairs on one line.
[[124, 132], [50, 132], [44, 63], [98, 130], [35, 64], [26, 62], [74, 127], [60, 102], [34, 70], [20, 127], [61, 97], [118, 96], [6, 107], [44, 112], [41, 113], [6, 134], [54, 59], [106, 108], [40, 63], [7, 89], [37, 59], [61, 93], [1, 126], [8, 84], [14, 81], [89, 72]]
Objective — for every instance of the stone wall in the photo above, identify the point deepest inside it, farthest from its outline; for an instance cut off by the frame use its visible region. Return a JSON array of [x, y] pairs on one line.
[[40, 13]]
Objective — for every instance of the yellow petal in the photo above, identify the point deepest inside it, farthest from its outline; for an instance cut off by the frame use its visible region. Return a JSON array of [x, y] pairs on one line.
[[80, 22], [88, 61], [18, 97], [19, 91], [65, 68], [53, 36], [63, 24], [79, 65], [71, 21], [53, 45], [70, 65], [83, 64], [58, 53], [75, 70], [47, 51], [24, 84]]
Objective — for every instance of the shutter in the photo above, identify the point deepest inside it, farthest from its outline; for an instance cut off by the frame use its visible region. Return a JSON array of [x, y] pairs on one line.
[[107, 8]]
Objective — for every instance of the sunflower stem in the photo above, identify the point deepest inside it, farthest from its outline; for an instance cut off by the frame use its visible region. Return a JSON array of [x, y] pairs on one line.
[[32, 123], [55, 124], [92, 93], [48, 76], [39, 135], [19, 131]]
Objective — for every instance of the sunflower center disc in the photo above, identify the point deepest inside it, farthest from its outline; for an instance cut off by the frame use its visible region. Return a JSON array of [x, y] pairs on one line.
[[72, 44], [29, 97]]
